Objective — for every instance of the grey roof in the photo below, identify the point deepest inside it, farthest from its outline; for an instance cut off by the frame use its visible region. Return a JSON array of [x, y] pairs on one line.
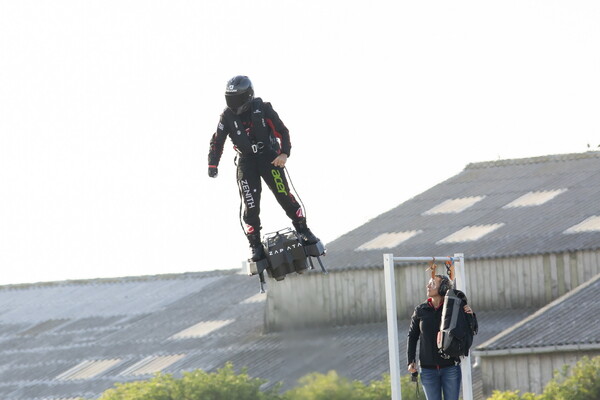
[[79, 338], [524, 230], [570, 322]]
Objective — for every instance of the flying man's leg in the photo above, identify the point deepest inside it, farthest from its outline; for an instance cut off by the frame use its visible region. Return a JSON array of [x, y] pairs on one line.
[[249, 184]]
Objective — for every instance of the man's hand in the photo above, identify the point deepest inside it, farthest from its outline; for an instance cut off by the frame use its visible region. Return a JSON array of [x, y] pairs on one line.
[[213, 171], [280, 160], [468, 309]]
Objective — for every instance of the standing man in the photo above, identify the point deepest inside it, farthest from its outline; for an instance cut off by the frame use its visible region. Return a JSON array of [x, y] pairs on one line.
[[263, 145]]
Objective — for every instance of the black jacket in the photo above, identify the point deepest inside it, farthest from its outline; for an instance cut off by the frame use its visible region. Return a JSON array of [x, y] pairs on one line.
[[259, 124], [424, 326]]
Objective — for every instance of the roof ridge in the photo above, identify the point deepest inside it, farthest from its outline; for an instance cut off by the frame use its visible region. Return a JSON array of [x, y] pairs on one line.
[[534, 160], [124, 279]]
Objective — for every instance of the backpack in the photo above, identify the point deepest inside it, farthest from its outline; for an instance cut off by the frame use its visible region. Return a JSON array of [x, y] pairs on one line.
[[457, 328]]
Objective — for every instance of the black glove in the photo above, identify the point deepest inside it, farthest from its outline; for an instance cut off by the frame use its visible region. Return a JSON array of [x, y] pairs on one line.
[[213, 172]]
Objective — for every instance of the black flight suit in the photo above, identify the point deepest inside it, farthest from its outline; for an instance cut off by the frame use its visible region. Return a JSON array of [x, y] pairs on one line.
[[259, 136]]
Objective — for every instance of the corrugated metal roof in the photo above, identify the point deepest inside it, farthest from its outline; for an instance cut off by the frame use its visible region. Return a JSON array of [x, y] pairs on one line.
[[62, 398], [86, 352], [88, 369], [152, 364], [387, 240], [453, 206], [201, 329], [548, 197], [590, 224], [535, 198], [95, 298], [470, 233], [571, 320], [44, 326], [257, 298]]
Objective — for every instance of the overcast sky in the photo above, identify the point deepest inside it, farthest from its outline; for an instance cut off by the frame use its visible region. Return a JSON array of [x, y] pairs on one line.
[[107, 108]]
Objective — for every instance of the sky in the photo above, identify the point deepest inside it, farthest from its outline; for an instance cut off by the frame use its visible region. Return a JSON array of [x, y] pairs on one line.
[[107, 108]]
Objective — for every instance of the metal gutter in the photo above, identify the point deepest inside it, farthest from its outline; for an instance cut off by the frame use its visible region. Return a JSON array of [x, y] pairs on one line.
[[537, 350]]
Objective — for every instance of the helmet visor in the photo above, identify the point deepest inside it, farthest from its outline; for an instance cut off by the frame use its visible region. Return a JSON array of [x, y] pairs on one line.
[[234, 101], [239, 102]]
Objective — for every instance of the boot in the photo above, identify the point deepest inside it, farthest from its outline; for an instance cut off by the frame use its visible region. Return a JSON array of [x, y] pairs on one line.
[[306, 235], [256, 247]]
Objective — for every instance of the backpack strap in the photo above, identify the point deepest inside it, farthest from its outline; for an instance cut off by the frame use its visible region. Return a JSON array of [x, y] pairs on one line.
[[260, 131]]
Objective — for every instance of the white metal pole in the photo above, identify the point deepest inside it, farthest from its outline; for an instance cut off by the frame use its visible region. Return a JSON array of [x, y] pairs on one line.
[[424, 259], [465, 365], [392, 324]]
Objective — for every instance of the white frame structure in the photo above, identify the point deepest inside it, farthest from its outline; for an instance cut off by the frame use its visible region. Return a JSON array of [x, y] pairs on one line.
[[392, 318]]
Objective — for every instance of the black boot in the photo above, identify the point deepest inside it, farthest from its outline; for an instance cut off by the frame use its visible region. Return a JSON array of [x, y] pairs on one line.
[[256, 247], [306, 235]]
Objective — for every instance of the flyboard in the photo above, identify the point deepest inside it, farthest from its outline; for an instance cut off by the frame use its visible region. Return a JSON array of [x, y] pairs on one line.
[[285, 254]]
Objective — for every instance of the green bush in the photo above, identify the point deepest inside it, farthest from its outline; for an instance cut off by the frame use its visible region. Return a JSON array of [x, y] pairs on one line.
[[328, 386], [318, 386], [379, 389], [581, 382], [409, 389], [224, 384], [512, 395], [161, 387]]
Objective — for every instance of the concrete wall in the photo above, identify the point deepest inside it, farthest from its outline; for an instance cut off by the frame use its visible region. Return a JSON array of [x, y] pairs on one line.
[[354, 296]]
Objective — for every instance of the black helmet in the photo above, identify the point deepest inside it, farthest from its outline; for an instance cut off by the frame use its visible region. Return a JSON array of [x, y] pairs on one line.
[[239, 93]]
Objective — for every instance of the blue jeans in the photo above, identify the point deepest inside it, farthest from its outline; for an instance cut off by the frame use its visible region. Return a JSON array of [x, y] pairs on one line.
[[446, 380]]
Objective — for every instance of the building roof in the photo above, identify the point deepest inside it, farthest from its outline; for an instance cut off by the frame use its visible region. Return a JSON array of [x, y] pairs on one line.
[[491, 209], [569, 323], [78, 338]]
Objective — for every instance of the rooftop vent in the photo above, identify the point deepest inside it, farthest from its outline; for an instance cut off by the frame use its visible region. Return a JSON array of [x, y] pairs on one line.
[[591, 224], [387, 240], [454, 206], [201, 329], [88, 369], [535, 198], [470, 233], [152, 365]]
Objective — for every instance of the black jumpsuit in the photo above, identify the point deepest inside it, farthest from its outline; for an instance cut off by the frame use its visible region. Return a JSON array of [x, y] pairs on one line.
[[259, 136]]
